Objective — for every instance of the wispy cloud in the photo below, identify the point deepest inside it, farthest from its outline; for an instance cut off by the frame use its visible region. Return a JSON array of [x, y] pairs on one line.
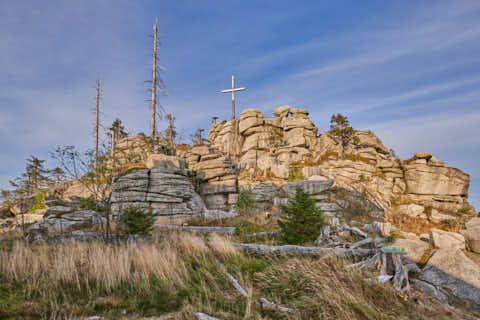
[[403, 70]]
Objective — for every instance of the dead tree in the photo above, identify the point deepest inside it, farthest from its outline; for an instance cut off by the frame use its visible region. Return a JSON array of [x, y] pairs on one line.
[[157, 82], [171, 132], [97, 122], [197, 138]]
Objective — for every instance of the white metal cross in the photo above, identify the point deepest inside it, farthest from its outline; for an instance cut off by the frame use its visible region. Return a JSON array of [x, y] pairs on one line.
[[233, 95]]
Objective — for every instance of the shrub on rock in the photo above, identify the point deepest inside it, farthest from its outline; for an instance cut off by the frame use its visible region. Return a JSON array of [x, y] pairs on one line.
[[301, 219]]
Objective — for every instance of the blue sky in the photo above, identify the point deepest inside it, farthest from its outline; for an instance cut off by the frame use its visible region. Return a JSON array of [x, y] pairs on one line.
[[408, 70]]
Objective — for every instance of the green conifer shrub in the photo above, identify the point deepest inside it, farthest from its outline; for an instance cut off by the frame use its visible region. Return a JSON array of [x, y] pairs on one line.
[[246, 203], [137, 221], [301, 219], [39, 202]]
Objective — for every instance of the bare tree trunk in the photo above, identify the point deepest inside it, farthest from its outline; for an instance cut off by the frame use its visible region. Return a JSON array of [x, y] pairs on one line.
[[97, 123], [154, 82]]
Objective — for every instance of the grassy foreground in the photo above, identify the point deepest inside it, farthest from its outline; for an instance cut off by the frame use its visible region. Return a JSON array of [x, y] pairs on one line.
[[181, 276]]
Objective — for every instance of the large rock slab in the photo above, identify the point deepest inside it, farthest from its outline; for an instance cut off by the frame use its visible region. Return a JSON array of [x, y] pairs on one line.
[[383, 229], [291, 123], [447, 240], [433, 180], [282, 111], [451, 269], [312, 187], [438, 217], [65, 222], [472, 238], [412, 210], [431, 290], [473, 223], [369, 139], [165, 189], [27, 218], [329, 209], [295, 138], [250, 118], [415, 248]]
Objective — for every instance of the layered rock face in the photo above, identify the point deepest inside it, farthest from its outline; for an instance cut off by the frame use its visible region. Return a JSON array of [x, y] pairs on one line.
[[165, 189], [427, 181], [285, 146]]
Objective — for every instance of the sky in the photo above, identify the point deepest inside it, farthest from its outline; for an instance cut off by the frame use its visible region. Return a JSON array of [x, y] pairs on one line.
[[407, 70]]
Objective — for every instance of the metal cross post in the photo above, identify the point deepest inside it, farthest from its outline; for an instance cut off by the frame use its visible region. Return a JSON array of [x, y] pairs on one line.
[[233, 94]]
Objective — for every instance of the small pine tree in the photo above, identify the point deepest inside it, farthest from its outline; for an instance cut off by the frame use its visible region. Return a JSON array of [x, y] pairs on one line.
[[341, 131], [137, 221], [246, 203], [301, 219]]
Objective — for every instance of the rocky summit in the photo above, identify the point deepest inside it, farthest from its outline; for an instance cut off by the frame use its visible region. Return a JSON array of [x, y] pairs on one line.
[[286, 146], [367, 195]]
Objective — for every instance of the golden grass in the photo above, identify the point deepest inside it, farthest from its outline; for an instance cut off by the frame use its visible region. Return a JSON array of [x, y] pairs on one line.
[[222, 246], [81, 263], [325, 289], [181, 276]]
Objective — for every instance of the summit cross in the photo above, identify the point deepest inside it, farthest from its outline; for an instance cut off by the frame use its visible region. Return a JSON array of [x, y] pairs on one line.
[[233, 94]]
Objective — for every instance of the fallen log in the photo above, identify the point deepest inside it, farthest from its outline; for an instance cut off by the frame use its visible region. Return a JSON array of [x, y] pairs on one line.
[[376, 242], [228, 230], [361, 243], [234, 282], [368, 263], [292, 249], [355, 231], [268, 305]]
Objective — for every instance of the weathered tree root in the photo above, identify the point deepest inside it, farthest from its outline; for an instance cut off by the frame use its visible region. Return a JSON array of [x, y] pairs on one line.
[[268, 305], [400, 278]]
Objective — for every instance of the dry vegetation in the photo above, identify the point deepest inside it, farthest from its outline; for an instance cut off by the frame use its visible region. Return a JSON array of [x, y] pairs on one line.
[[420, 225], [182, 276]]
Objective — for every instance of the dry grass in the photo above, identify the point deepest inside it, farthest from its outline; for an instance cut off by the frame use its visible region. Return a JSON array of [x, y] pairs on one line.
[[147, 279], [420, 226], [326, 289], [83, 263], [181, 276], [222, 246]]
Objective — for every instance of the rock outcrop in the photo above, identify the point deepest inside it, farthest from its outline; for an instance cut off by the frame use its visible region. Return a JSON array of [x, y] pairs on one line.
[[415, 248], [451, 269], [472, 234], [286, 146], [447, 240], [69, 221], [165, 190]]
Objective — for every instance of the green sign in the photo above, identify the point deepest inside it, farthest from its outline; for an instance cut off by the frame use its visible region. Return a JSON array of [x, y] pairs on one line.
[[394, 249]]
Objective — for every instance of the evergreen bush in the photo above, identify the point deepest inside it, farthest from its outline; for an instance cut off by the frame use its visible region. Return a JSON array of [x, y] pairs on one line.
[[39, 202], [301, 219], [137, 221], [246, 203]]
